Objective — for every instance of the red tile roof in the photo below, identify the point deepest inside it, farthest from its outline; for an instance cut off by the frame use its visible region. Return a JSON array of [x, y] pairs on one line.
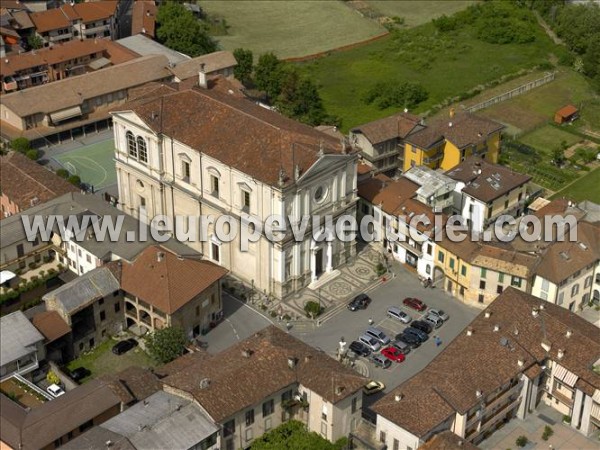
[[143, 18], [166, 281], [395, 126], [567, 111], [51, 325], [62, 17]]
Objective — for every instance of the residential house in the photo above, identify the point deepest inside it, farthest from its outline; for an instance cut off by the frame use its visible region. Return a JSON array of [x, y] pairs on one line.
[[381, 142], [162, 420], [86, 20], [24, 184], [58, 340], [164, 289], [143, 18], [145, 46], [485, 191], [205, 66], [22, 345], [245, 161], [47, 112], [49, 424], [24, 70], [446, 142], [91, 305], [265, 380], [435, 189], [515, 355]]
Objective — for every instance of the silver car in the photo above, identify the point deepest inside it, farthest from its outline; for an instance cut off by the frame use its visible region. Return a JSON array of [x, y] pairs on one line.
[[372, 343], [378, 334], [435, 321], [396, 313], [439, 313]]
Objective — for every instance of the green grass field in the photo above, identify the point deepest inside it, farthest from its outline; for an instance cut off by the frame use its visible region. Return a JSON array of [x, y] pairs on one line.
[[443, 64], [548, 137], [420, 12], [539, 105], [290, 28], [586, 188], [94, 163]]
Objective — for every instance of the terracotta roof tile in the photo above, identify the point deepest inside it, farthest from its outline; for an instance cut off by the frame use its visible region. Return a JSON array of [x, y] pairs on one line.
[[52, 19], [166, 281], [567, 111], [133, 384], [213, 62], [486, 181], [27, 184], [395, 126], [237, 382], [51, 325], [94, 11], [447, 440], [467, 129]]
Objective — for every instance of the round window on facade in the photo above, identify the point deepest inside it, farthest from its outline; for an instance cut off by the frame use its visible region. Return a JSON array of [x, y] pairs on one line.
[[320, 194], [139, 186]]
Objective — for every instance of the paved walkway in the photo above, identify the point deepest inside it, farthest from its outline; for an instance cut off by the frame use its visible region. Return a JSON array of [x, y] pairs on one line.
[[532, 427]]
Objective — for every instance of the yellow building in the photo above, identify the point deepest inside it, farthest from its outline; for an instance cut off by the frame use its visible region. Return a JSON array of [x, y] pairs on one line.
[[446, 142]]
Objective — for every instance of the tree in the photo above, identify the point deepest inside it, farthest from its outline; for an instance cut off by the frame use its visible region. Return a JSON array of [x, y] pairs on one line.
[[179, 30], [166, 344], [34, 41], [63, 173], [33, 154], [74, 180], [299, 98], [268, 74], [294, 435], [20, 144], [52, 378], [403, 94], [245, 61], [558, 156]]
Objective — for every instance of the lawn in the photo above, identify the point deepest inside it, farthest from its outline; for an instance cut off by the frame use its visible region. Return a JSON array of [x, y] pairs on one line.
[[102, 360], [586, 188], [290, 28], [548, 137], [417, 13], [539, 105], [445, 64]]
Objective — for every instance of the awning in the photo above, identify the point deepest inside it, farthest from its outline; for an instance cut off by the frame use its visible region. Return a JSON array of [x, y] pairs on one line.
[[99, 63], [66, 114], [6, 275]]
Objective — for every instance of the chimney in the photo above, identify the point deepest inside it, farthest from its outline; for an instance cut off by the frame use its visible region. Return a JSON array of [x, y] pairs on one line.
[[488, 314], [534, 312], [561, 353], [496, 327], [398, 397], [569, 333], [450, 124], [246, 353], [108, 443], [470, 332], [202, 81], [292, 362], [520, 362]]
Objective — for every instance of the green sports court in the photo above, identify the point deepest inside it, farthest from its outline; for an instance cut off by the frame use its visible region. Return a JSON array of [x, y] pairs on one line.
[[93, 163]]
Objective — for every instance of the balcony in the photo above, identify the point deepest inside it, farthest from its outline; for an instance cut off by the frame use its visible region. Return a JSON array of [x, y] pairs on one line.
[[60, 37], [95, 30], [434, 158]]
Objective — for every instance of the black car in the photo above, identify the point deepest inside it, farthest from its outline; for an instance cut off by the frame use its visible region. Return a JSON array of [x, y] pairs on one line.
[[418, 333], [124, 346], [361, 301], [359, 348], [422, 325], [409, 339], [79, 374]]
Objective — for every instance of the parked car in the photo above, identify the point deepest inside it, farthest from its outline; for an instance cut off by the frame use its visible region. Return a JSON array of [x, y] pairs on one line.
[[435, 321], [79, 374], [371, 343], [414, 303], [396, 313], [55, 390], [361, 301], [381, 361], [372, 387], [408, 339], [378, 334], [402, 346], [393, 353], [359, 348], [426, 327], [124, 346], [439, 313], [418, 333]]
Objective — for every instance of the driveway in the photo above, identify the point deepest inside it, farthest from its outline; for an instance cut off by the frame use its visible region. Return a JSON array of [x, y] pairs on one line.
[[350, 325]]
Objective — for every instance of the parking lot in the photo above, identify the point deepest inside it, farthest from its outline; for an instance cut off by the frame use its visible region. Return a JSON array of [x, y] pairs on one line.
[[350, 325]]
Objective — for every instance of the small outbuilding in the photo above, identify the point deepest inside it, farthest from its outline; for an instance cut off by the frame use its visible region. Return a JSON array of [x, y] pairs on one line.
[[566, 114]]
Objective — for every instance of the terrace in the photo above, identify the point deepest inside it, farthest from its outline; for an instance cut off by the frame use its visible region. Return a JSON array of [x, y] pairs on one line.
[[23, 392]]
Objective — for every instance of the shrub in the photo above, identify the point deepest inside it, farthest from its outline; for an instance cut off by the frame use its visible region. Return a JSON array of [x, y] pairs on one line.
[[445, 23], [52, 378], [63, 173], [380, 269], [32, 265], [20, 144], [396, 93], [522, 441], [273, 314], [288, 317], [548, 431], [74, 180], [51, 271], [313, 309], [566, 419]]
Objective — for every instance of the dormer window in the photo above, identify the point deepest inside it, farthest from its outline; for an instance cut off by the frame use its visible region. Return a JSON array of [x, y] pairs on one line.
[[245, 200]]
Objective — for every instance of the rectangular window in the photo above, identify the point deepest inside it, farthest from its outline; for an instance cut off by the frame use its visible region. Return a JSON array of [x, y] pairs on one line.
[[245, 200], [229, 428], [197, 310], [215, 252], [268, 424], [463, 271], [499, 289], [323, 429], [561, 298], [500, 277], [88, 258], [515, 281], [452, 263], [482, 284], [185, 171], [441, 256], [429, 249], [214, 184], [249, 417], [354, 404], [249, 434], [229, 445], [117, 307], [101, 301], [268, 408], [575, 290], [588, 282], [102, 316], [382, 436], [396, 445], [480, 298]]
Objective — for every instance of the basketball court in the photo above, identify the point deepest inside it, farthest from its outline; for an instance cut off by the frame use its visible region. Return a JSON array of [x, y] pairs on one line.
[[93, 164]]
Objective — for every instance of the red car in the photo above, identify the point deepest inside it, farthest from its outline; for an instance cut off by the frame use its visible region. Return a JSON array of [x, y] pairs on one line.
[[415, 303], [393, 353]]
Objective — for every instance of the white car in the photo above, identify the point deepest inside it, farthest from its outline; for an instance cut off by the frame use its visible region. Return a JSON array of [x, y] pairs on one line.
[[372, 343], [397, 313], [55, 390], [439, 313]]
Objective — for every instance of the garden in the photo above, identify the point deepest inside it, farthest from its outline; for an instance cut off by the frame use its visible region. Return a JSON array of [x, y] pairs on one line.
[[21, 393]]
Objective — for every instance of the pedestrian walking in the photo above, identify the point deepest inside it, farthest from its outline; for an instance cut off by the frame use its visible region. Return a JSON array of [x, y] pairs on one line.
[[371, 322], [438, 341]]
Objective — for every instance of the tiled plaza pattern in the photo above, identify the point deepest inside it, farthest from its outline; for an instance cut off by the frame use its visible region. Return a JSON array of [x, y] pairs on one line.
[[357, 276]]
